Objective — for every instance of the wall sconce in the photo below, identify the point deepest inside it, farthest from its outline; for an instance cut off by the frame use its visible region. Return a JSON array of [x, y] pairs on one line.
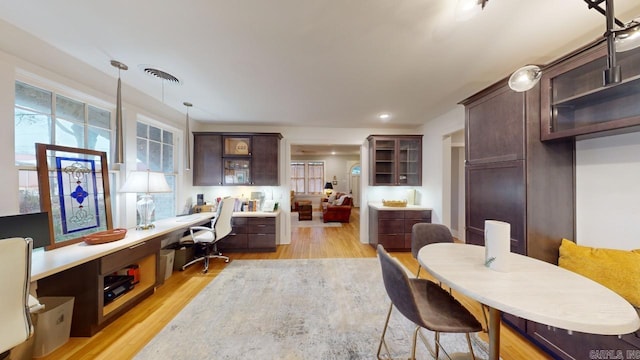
[[119, 154], [145, 182], [187, 138]]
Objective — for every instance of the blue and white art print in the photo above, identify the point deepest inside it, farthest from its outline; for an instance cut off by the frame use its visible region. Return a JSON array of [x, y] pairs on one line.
[[77, 194]]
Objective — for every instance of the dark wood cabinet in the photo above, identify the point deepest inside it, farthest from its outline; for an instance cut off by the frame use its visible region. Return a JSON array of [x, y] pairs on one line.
[[395, 160], [252, 233], [236, 159], [512, 176], [575, 101], [207, 159], [392, 228], [85, 283], [522, 181]]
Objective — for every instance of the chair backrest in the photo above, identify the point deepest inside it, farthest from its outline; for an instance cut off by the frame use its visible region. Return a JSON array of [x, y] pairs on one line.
[[222, 226], [426, 233], [398, 287], [15, 277]]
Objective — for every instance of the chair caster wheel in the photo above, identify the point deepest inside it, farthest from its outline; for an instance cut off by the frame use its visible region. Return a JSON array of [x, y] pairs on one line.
[[226, 261]]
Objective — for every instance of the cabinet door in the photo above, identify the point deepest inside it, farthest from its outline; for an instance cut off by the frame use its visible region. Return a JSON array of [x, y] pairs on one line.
[[496, 191], [383, 161], [574, 100], [409, 162], [495, 127], [264, 160], [207, 159]]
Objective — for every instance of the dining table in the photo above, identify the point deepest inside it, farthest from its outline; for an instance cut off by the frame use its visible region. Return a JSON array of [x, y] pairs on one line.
[[531, 289]]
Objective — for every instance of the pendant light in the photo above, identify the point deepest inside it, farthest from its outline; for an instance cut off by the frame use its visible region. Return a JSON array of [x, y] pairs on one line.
[[187, 145], [119, 154]]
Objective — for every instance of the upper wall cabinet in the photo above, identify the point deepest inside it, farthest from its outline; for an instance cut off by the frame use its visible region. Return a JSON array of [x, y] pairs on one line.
[[395, 160], [575, 102], [236, 159]]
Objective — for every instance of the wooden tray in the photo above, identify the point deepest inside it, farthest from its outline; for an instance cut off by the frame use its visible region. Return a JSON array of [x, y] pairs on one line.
[[105, 236]]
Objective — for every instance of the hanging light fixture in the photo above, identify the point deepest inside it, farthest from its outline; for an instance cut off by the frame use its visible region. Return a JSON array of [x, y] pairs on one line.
[[119, 155], [187, 145], [525, 78]]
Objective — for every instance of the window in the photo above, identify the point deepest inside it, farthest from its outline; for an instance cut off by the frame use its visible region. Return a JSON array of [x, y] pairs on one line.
[[155, 151], [297, 177], [43, 116], [307, 177]]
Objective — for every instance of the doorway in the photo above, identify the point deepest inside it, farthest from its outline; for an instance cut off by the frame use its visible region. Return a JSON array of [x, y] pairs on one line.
[[453, 189], [355, 183]]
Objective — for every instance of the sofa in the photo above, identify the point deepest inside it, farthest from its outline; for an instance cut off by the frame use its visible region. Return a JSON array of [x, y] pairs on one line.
[[337, 208]]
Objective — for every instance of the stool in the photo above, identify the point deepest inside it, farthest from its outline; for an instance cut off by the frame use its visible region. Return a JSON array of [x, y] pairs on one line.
[[305, 212]]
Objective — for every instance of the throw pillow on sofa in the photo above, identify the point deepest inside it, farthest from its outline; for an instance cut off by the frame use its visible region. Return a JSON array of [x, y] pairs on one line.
[[619, 270]]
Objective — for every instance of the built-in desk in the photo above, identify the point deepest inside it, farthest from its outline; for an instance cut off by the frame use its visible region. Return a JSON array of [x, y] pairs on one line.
[[79, 270]]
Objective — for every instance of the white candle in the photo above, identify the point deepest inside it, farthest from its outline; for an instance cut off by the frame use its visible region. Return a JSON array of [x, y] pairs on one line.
[[497, 244]]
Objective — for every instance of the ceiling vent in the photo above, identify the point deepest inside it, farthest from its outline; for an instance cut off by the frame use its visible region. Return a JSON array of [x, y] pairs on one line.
[[160, 74]]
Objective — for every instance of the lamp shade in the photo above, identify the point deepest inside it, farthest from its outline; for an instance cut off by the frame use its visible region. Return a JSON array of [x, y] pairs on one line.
[[525, 78], [145, 182], [328, 185], [628, 38]]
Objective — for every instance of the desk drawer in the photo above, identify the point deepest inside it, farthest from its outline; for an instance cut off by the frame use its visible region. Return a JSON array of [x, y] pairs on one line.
[[124, 257], [261, 229], [260, 241]]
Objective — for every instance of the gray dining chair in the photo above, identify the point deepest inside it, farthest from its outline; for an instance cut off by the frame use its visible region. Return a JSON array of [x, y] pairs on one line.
[[423, 234], [424, 303]]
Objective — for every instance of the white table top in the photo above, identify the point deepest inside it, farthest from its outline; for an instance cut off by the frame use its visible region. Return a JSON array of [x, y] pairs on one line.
[[531, 289]]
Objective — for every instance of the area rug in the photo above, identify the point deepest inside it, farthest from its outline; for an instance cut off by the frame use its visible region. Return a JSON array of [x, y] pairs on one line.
[[316, 221], [293, 309]]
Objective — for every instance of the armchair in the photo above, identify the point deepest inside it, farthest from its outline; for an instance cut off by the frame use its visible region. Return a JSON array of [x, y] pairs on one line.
[[340, 211]]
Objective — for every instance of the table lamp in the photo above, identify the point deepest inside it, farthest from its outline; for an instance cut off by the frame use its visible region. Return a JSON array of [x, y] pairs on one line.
[[328, 188], [145, 182]]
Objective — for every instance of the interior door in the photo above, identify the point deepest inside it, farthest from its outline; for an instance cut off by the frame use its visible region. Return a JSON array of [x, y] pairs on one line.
[[355, 184]]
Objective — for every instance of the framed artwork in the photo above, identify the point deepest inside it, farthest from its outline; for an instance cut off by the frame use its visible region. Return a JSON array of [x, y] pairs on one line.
[[74, 190], [240, 177]]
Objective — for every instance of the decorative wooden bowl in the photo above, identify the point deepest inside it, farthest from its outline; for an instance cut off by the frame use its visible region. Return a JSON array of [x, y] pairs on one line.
[[394, 203], [105, 236]]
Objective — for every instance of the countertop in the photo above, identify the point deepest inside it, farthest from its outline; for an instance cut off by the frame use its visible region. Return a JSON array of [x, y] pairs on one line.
[[379, 206]]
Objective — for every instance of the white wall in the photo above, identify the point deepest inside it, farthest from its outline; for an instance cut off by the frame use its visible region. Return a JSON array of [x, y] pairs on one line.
[[608, 191], [430, 194]]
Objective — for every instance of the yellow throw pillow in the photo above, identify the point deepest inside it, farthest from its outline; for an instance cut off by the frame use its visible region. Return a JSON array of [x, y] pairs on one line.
[[619, 270]]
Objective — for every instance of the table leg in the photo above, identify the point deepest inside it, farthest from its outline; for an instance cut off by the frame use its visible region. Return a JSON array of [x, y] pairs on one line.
[[494, 333]]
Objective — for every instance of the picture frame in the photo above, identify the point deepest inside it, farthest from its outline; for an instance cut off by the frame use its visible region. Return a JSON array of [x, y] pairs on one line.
[[240, 177], [74, 191]]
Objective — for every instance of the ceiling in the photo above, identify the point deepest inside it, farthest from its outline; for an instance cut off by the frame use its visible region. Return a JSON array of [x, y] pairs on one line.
[[320, 63]]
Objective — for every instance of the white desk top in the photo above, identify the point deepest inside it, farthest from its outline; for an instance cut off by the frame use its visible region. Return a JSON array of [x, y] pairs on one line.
[[45, 263], [531, 289]]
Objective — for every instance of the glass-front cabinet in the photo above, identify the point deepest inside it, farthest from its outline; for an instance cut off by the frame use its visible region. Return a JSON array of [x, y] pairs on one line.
[[395, 160], [237, 171], [575, 101]]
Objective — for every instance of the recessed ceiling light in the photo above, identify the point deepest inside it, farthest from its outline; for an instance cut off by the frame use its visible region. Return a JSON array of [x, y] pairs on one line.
[[384, 116], [333, 153]]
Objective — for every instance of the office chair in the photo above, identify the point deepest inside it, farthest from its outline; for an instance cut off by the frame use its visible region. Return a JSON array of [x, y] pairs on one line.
[[424, 303], [15, 277], [207, 237], [423, 234]]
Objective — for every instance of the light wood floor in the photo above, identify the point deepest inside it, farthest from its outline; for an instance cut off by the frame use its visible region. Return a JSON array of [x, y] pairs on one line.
[[123, 338]]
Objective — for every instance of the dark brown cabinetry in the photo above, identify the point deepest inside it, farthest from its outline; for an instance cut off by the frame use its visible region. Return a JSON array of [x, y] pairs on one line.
[[395, 160], [252, 234], [575, 102], [512, 176], [392, 228], [207, 159], [85, 282], [236, 159]]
